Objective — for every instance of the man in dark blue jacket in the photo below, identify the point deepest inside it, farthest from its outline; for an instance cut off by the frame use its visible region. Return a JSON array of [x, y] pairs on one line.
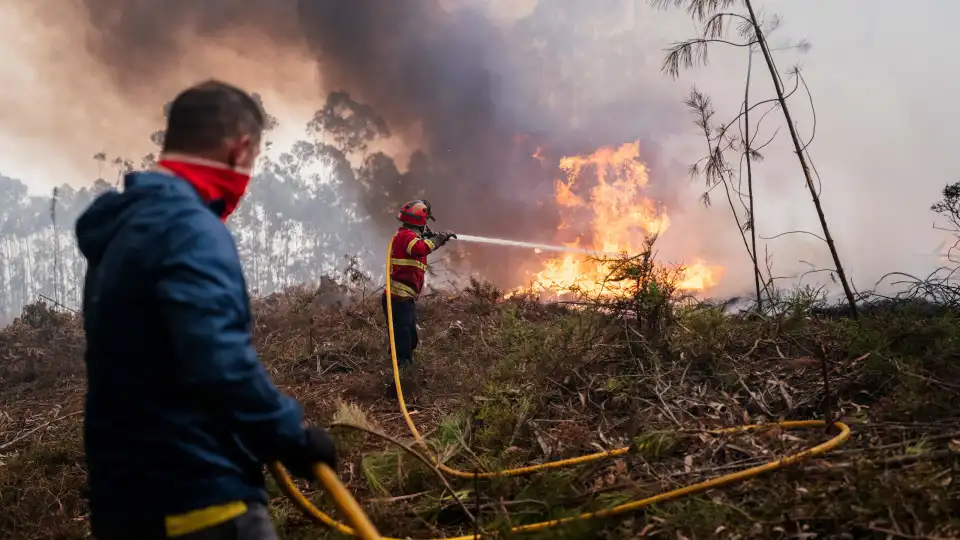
[[180, 414]]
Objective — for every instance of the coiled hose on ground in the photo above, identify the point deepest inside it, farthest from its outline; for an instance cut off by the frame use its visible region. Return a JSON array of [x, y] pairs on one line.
[[360, 525]]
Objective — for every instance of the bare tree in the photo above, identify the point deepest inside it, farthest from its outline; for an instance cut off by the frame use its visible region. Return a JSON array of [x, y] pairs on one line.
[[714, 18], [717, 171], [748, 156], [56, 246]]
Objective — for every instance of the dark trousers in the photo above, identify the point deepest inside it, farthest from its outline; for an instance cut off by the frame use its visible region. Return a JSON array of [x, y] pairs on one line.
[[404, 327], [255, 524]]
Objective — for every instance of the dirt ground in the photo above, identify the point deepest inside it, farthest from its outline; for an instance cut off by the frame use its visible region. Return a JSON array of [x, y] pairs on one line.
[[513, 382]]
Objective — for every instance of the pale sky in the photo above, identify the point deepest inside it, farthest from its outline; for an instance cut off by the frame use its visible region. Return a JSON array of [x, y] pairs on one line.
[[881, 72]]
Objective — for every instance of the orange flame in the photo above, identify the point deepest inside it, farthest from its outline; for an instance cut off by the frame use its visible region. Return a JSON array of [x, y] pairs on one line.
[[621, 219]]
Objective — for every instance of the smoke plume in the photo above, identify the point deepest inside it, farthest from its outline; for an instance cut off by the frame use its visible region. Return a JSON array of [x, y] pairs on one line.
[[473, 97], [477, 91]]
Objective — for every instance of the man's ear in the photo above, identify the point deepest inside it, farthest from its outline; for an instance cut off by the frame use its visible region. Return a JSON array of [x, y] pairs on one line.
[[244, 150], [234, 148], [232, 158]]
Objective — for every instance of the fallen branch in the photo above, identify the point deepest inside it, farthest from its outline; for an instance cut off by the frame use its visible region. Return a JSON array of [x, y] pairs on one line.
[[58, 304], [420, 457], [30, 432]]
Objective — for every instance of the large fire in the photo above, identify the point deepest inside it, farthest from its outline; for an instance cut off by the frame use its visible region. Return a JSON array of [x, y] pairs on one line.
[[606, 189]]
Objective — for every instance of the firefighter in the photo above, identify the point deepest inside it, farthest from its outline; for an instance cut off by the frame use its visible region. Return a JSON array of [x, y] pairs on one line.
[[180, 414], [408, 261]]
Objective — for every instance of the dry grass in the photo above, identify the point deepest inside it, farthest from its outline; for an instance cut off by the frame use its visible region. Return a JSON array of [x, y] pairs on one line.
[[512, 382]]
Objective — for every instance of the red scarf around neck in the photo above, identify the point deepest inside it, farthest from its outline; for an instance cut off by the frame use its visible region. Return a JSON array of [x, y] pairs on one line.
[[212, 182]]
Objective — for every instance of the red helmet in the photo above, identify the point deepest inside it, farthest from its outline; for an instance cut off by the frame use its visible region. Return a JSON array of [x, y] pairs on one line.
[[415, 213]]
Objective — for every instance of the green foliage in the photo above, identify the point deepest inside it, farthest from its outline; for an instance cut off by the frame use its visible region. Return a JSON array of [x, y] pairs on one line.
[[798, 301], [697, 516], [383, 471], [657, 444], [949, 204], [502, 415], [948, 207], [484, 296], [644, 288]]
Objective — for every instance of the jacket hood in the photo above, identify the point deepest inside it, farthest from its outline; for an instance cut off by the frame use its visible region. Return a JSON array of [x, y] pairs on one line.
[[107, 215]]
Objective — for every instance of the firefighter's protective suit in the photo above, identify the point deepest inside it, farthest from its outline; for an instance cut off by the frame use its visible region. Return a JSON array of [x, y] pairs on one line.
[[408, 260]]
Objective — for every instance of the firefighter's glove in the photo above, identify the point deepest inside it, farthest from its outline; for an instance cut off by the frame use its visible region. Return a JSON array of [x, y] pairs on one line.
[[443, 237], [318, 448]]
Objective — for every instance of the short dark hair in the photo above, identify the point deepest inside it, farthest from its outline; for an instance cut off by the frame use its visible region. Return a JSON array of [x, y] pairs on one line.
[[201, 117]]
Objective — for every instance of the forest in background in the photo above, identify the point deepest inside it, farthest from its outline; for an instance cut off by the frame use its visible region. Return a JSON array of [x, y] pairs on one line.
[[332, 196], [309, 212]]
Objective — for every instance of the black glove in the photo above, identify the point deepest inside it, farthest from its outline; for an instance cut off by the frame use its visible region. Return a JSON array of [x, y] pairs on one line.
[[318, 448], [443, 237]]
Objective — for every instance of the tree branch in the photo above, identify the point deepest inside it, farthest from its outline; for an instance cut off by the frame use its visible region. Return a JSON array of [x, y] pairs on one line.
[[410, 450], [774, 237]]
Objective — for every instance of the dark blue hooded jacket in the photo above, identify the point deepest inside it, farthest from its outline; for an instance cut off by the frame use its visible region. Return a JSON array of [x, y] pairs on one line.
[[180, 414]]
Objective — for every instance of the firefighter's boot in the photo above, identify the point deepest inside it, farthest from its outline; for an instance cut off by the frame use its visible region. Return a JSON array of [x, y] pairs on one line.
[[409, 378]]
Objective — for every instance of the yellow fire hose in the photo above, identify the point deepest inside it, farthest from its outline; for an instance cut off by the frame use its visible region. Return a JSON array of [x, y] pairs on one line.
[[344, 501], [361, 526]]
